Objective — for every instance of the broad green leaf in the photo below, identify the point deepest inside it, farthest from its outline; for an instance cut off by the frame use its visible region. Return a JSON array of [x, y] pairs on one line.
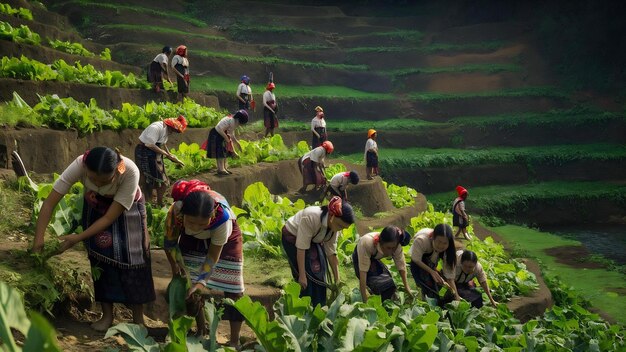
[[136, 336], [12, 315], [41, 335]]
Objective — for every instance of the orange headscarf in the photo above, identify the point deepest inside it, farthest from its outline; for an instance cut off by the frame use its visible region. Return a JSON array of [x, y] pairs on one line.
[[181, 50]]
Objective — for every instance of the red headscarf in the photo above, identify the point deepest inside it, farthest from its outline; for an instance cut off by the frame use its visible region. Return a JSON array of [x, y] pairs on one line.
[[179, 124], [462, 192], [181, 51], [181, 189], [334, 206]]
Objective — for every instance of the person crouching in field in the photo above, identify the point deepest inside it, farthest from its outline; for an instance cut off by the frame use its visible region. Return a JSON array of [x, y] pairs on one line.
[[310, 239], [312, 166], [222, 141], [371, 155], [429, 247], [459, 216], [203, 240], [158, 70], [371, 272], [115, 230], [467, 268], [338, 185], [149, 155]]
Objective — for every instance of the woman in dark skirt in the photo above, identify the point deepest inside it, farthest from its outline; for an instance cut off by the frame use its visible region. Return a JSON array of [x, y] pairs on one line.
[[270, 106], [244, 94], [203, 240], [149, 153], [371, 155], [222, 141], [115, 230], [158, 69], [468, 268], [310, 242], [371, 271], [312, 166], [459, 216], [180, 64], [318, 128], [428, 248]]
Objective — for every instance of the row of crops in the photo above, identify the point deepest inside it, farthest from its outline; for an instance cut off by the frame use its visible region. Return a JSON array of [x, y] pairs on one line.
[[406, 324]]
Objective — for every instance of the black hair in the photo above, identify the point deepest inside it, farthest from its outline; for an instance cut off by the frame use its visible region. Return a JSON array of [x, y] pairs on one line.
[[394, 233], [446, 230], [167, 49], [102, 160], [241, 116], [469, 255], [198, 203], [347, 213], [354, 178]]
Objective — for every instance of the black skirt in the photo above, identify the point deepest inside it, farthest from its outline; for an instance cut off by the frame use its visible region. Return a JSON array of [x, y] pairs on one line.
[[379, 279], [183, 86], [315, 141], [371, 159], [269, 118], [216, 146]]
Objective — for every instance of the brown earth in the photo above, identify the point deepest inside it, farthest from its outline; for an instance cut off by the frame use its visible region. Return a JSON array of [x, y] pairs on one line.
[[108, 98], [574, 256], [468, 82]]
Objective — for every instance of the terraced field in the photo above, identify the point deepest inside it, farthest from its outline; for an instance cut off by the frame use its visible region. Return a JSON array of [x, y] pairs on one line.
[[453, 101]]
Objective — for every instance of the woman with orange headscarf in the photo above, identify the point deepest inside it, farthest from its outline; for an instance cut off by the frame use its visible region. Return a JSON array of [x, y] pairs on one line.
[[180, 64], [371, 154]]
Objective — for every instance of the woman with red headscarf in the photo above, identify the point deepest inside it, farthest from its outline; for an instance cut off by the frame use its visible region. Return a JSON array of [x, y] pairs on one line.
[[459, 216], [270, 120], [203, 241], [180, 64], [149, 155], [312, 165], [310, 240]]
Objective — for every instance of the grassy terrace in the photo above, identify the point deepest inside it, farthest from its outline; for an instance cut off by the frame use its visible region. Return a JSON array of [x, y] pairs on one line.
[[546, 92], [360, 126], [159, 29], [507, 200], [224, 84], [576, 116], [445, 157], [133, 8], [277, 60], [599, 286], [434, 48], [470, 68]]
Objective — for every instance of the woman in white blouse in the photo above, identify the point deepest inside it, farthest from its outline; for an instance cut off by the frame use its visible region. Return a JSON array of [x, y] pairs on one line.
[[318, 128], [310, 239], [270, 106], [180, 66], [222, 141], [462, 283], [115, 231], [371, 271]]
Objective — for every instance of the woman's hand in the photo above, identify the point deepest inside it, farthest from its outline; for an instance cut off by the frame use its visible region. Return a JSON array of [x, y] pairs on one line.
[[494, 303], [174, 159], [302, 280], [68, 242], [438, 279], [194, 288]]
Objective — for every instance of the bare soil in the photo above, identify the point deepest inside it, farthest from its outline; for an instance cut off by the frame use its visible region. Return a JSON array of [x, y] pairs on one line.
[[574, 256]]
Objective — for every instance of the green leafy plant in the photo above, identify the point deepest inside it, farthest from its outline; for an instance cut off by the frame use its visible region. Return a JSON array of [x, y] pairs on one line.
[[70, 48], [17, 12], [106, 54], [23, 34], [401, 196], [40, 335]]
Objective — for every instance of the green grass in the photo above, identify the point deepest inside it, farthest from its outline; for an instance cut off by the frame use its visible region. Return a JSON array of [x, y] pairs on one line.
[[505, 201], [298, 46], [270, 60], [14, 212], [138, 9], [482, 68], [410, 158], [433, 48], [572, 117], [225, 84], [159, 29], [545, 92], [362, 126], [593, 284]]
